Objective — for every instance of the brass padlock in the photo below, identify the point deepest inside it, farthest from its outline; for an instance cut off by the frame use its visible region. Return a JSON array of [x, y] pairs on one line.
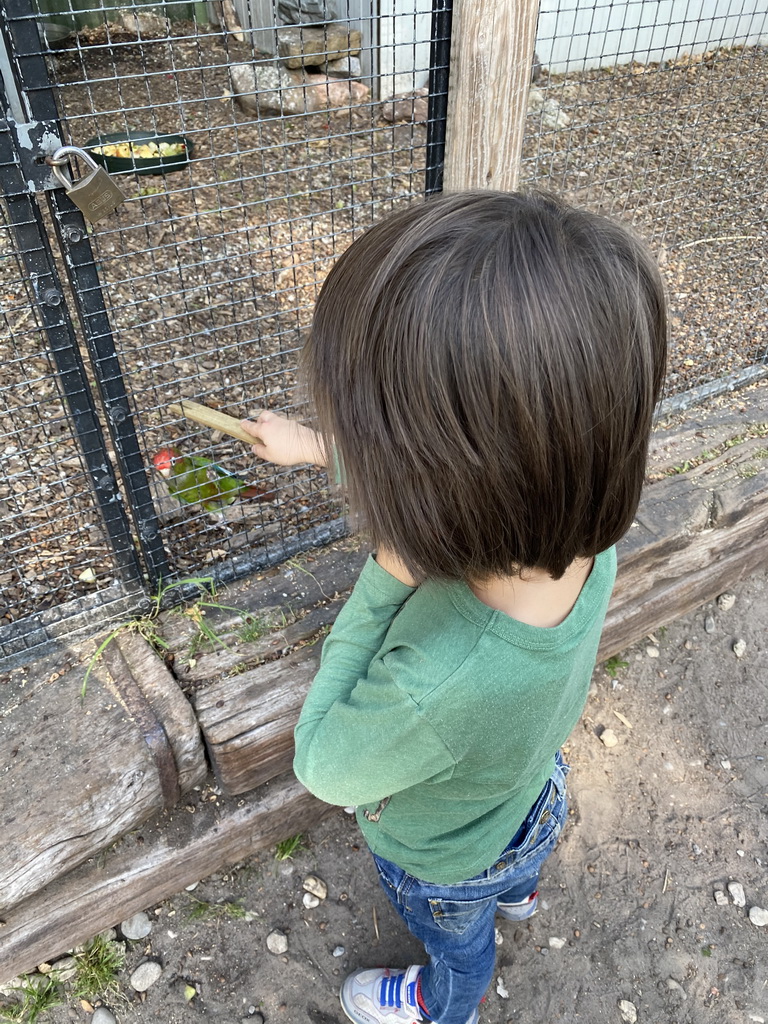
[[96, 195]]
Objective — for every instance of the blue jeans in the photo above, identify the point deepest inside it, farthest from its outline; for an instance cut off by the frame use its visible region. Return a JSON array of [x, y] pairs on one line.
[[456, 922]]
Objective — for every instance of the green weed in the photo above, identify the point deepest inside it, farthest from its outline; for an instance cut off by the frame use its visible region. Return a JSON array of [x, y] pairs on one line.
[[35, 1000], [203, 910], [614, 665], [287, 847], [148, 627], [97, 965]]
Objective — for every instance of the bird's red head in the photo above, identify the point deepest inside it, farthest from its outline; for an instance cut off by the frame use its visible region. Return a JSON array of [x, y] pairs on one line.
[[164, 459]]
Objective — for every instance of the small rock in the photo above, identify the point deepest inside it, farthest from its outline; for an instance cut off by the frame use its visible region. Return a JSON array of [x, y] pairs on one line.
[[709, 624], [406, 106], [101, 1015], [609, 738], [65, 969], [347, 67], [191, 888], [720, 898], [277, 942], [310, 901], [556, 943], [316, 886], [739, 853], [736, 889], [758, 917], [254, 1016], [136, 927], [726, 764], [339, 951], [651, 651], [499, 938], [675, 986], [501, 988], [726, 601], [628, 1011], [145, 975], [739, 648]]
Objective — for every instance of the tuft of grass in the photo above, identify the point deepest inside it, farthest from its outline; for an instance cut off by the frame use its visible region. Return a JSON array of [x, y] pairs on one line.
[[287, 847], [614, 665], [203, 910], [35, 1000], [253, 629], [97, 965], [147, 625]]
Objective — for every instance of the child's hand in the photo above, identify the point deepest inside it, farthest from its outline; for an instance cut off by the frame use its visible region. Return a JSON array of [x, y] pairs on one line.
[[284, 442], [388, 560]]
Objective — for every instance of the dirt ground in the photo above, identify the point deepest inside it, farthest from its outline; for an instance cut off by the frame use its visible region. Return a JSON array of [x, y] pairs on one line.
[[660, 822]]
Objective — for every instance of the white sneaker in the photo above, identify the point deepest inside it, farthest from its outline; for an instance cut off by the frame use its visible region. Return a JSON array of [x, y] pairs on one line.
[[384, 996], [519, 911]]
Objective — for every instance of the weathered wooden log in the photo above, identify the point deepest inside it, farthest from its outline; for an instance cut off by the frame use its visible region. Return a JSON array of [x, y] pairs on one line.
[[248, 719], [79, 772], [136, 875]]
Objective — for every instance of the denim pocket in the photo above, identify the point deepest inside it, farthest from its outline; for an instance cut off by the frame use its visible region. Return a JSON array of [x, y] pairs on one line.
[[455, 916]]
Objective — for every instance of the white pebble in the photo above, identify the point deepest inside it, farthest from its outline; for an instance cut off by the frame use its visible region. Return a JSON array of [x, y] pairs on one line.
[[556, 943], [101, 1015], [726, 601], [498, 937], [145, 975], [339, 951], [720, 898], [136, 927], [501, 988], [709, 624], [652, 652], [739, 853], [628, 1011], [726, 764], [675, 986], [316, 886], [739, 648], [310, 901], [609, 738], [277, 942], [736, 889], [758, 917]]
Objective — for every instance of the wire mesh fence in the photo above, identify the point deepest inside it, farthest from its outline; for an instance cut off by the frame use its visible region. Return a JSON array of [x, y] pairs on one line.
[[282, 143]]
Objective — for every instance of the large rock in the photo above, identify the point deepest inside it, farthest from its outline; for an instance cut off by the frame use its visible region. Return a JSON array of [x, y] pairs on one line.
[[307, 45], [264, 89]]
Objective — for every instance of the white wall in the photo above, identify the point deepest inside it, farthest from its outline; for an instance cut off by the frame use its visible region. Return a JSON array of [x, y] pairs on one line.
[[579, 34]]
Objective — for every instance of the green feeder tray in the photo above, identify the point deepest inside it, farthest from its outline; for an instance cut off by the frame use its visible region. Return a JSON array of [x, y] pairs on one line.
[[140, 152]]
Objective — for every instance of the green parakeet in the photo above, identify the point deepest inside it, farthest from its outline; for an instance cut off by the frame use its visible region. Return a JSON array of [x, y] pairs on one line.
[[192, 480]]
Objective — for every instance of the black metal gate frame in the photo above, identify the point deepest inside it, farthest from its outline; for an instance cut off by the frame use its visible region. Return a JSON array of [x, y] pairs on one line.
[[30, 131]]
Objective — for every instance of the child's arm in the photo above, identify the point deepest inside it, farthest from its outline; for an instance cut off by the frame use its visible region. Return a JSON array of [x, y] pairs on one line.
[[284, 442], [361, 736]]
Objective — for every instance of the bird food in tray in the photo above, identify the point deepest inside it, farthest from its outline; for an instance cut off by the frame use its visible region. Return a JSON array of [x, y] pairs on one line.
[[140, 152]]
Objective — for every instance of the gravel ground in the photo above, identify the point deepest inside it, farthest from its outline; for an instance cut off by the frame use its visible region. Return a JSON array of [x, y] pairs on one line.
[[210, 273], [640, 901]]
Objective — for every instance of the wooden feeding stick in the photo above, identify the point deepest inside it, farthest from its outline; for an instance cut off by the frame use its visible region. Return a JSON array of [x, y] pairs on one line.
[[214, 419]]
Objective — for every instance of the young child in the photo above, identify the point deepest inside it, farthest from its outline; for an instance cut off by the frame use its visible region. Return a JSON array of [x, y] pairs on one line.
[[485, 368]]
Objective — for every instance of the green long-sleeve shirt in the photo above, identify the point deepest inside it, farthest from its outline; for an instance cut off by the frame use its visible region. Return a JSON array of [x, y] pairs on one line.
[[439, 717]]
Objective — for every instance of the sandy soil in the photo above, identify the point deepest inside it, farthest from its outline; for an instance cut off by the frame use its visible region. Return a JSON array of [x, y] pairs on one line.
[[660, 822]]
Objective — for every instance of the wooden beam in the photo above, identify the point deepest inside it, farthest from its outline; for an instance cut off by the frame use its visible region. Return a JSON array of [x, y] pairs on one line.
[[491, 57], [137, 875]]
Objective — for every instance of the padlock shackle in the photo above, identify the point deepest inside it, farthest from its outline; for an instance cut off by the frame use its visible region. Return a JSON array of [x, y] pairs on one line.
[[60, 159]]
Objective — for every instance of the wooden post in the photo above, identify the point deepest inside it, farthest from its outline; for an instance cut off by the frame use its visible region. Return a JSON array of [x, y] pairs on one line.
[[491, 58]]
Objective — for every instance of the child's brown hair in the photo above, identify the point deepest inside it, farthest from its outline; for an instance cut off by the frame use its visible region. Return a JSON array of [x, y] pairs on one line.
[[487, 365]]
